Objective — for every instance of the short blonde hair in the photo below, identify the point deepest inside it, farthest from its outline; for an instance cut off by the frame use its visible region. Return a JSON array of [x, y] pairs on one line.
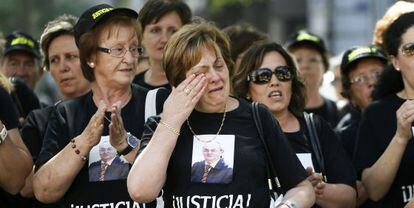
[[184, 49], [5, 83]]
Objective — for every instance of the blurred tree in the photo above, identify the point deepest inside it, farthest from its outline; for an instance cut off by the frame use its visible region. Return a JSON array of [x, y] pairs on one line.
[[30, 16], [227, 12]]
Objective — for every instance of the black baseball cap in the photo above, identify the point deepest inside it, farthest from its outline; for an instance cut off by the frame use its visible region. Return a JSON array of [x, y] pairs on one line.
[[95, 15], [354, 54], [305, 37], [19, 41]]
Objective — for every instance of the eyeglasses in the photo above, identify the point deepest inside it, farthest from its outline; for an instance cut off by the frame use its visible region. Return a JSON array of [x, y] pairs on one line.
[[364, 78], [264, 75], [407, 49], [120, 52]]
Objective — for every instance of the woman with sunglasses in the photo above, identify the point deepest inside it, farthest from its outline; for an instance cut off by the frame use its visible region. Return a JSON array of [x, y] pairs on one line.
[[203, 125], [268, 75], [385, 149], [89, 144]]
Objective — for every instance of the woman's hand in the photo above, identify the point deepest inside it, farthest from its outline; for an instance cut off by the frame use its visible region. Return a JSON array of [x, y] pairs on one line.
[[117, 133], [405, 118], [316, 179], [182, 100], [93, 131]]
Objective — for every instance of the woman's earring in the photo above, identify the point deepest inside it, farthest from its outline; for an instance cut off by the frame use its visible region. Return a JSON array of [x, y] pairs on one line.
[[248, 97], [92, 64], [396, 68]]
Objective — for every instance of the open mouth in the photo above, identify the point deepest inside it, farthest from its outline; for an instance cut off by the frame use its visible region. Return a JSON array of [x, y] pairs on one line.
[[275, 94], [215, 90]]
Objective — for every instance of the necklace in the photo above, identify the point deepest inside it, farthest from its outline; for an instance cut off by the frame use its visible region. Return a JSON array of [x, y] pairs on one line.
[[218, 132]]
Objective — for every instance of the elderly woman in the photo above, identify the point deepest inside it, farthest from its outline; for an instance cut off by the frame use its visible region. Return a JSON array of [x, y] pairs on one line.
[[312, 57], [109, 46], [268, 75], [385, 148], [160, 19], [200, 111], [61, 60]]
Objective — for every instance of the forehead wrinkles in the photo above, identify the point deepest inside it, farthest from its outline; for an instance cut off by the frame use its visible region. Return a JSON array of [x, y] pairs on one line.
[[114, 31]]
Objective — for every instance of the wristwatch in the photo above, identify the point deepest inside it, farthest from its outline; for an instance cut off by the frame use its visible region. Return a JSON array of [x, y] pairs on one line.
[[3, 134], [132, 142]]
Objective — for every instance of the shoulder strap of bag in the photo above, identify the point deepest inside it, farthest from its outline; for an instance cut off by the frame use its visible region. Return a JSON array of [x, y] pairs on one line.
[[151, 104], [271, 170], [314, 141]]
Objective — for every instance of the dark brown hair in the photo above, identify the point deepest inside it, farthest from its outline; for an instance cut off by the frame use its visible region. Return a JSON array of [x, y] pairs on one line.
[[254, 58], [242, 36], [184, 49], [156, 9], [88, 43]]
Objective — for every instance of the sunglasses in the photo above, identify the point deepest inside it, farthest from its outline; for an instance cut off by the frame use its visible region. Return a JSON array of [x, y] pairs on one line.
[[407, 49], [264, 75]]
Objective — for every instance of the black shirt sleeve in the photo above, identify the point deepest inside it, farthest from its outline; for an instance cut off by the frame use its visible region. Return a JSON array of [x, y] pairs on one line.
[[55, 139], [34, 129], [366, 148], [338, 166], [24, 97], [8, 111], [288, 167]]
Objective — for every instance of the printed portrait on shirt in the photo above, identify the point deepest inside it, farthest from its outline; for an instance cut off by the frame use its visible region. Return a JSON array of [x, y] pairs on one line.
[[212, 159], [105, 164]]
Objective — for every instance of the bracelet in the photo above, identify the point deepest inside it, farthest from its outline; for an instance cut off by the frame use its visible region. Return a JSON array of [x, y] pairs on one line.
[[172, 129], [77, 151]]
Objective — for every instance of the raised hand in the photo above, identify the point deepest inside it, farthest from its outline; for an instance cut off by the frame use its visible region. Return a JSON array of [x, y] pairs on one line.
[[405, 118], [316, 179], [93, 131], [117, 133], [182, 100]]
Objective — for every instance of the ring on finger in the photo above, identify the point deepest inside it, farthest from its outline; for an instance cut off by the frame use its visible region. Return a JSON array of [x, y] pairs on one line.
[[187, 91]]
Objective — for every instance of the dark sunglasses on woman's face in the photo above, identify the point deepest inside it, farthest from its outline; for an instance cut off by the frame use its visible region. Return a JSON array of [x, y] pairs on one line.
[[407, 49], [264, 75]]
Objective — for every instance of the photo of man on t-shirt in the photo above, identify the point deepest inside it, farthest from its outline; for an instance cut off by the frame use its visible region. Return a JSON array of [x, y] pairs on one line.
[[110, 166], [213, 168]]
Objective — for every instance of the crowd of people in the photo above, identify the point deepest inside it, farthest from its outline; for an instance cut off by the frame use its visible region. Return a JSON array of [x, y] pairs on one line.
[[162, 109]]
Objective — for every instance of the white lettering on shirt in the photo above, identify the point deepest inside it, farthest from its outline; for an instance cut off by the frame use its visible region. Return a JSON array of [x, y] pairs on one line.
[[121, 204], [224, 201], [407, 193]]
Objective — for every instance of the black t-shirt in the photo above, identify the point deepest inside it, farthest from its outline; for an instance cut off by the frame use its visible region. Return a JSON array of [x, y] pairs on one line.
[[347, 130], [377, 128], [34, 129], [24, 97], [327, 111], [68, 120], [338, 167], [8, 111], [247, 186], [139, 79]]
